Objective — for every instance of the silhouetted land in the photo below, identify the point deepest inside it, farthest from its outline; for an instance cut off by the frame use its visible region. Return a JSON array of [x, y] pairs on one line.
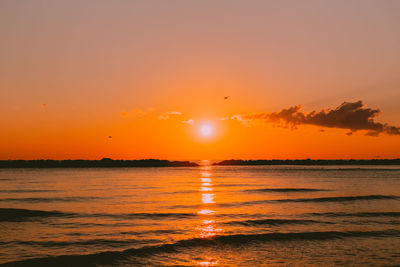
[[104, 163], [311, 162]]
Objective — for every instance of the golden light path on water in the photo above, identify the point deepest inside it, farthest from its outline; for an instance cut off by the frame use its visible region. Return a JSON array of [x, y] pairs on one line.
[[207, 227]]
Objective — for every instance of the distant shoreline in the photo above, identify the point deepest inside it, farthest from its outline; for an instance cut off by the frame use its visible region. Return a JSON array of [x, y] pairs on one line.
[[110, 163], [240, 162], [103, 163]]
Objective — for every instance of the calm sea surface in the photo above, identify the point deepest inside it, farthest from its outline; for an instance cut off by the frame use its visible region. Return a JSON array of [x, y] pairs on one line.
[[205, 216]]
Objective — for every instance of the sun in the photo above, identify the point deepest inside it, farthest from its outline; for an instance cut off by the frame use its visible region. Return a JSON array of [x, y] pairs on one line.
[[206, 130]]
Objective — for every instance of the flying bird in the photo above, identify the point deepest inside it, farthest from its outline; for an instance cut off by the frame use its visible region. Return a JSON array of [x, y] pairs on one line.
[[109, 136], [226, 97]]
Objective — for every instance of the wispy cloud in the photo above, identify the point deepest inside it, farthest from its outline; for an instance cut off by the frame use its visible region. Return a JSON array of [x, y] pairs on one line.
[[167, 115], [353, 116]]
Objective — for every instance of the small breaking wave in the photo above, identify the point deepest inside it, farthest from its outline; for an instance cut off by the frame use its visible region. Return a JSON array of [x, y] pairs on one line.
[[113, 257]]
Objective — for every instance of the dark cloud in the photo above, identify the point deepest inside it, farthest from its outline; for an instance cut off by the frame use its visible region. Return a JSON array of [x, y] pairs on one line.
[[353, 116]]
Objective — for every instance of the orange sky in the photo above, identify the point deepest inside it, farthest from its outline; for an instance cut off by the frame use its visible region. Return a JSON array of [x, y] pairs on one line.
[[115, 68]]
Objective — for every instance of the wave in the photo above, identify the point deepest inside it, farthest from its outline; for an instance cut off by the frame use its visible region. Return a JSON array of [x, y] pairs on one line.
[[288, 190], [18, 215], [113, 257], [358, 214], [50, 199], [319, 199], [89, 242], [26, 191], [272, 222], [160, 231], [338, 199], [144, 215], [232, 185], [180, 192]]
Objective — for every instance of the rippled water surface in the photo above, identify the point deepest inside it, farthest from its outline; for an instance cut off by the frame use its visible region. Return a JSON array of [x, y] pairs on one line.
[[206, 216]]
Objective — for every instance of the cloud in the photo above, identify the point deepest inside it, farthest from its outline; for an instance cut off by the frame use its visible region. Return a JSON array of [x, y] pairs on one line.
[[353, 116], [189, 121], [167, 115], [244, 121], [235, 117]]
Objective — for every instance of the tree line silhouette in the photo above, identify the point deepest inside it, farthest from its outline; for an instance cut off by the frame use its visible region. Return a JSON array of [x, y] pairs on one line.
[[103, 163], [311, 162]]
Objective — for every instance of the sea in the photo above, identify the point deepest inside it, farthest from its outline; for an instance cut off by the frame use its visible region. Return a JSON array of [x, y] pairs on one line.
[[201, 216]]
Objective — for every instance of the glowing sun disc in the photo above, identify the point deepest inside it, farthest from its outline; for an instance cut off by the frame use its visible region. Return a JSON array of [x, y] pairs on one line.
[[206, 130]]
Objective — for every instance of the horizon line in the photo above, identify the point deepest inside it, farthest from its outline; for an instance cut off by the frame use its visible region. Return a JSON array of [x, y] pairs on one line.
[[243, 159]]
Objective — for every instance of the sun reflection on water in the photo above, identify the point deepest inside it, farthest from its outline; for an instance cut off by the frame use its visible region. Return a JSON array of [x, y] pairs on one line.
[[206, 173], [207, 228], [207, 198], [205, 188], [206, 212], [208, 262]]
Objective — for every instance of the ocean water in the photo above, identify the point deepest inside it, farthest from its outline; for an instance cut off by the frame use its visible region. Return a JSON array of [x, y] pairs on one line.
[[201, 216]]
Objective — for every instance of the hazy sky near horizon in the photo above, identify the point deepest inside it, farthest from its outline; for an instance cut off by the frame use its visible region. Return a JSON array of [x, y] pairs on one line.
[[73, 73]]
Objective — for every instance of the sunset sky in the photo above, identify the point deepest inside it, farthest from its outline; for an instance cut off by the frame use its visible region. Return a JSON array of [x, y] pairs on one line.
[[148, 79]]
